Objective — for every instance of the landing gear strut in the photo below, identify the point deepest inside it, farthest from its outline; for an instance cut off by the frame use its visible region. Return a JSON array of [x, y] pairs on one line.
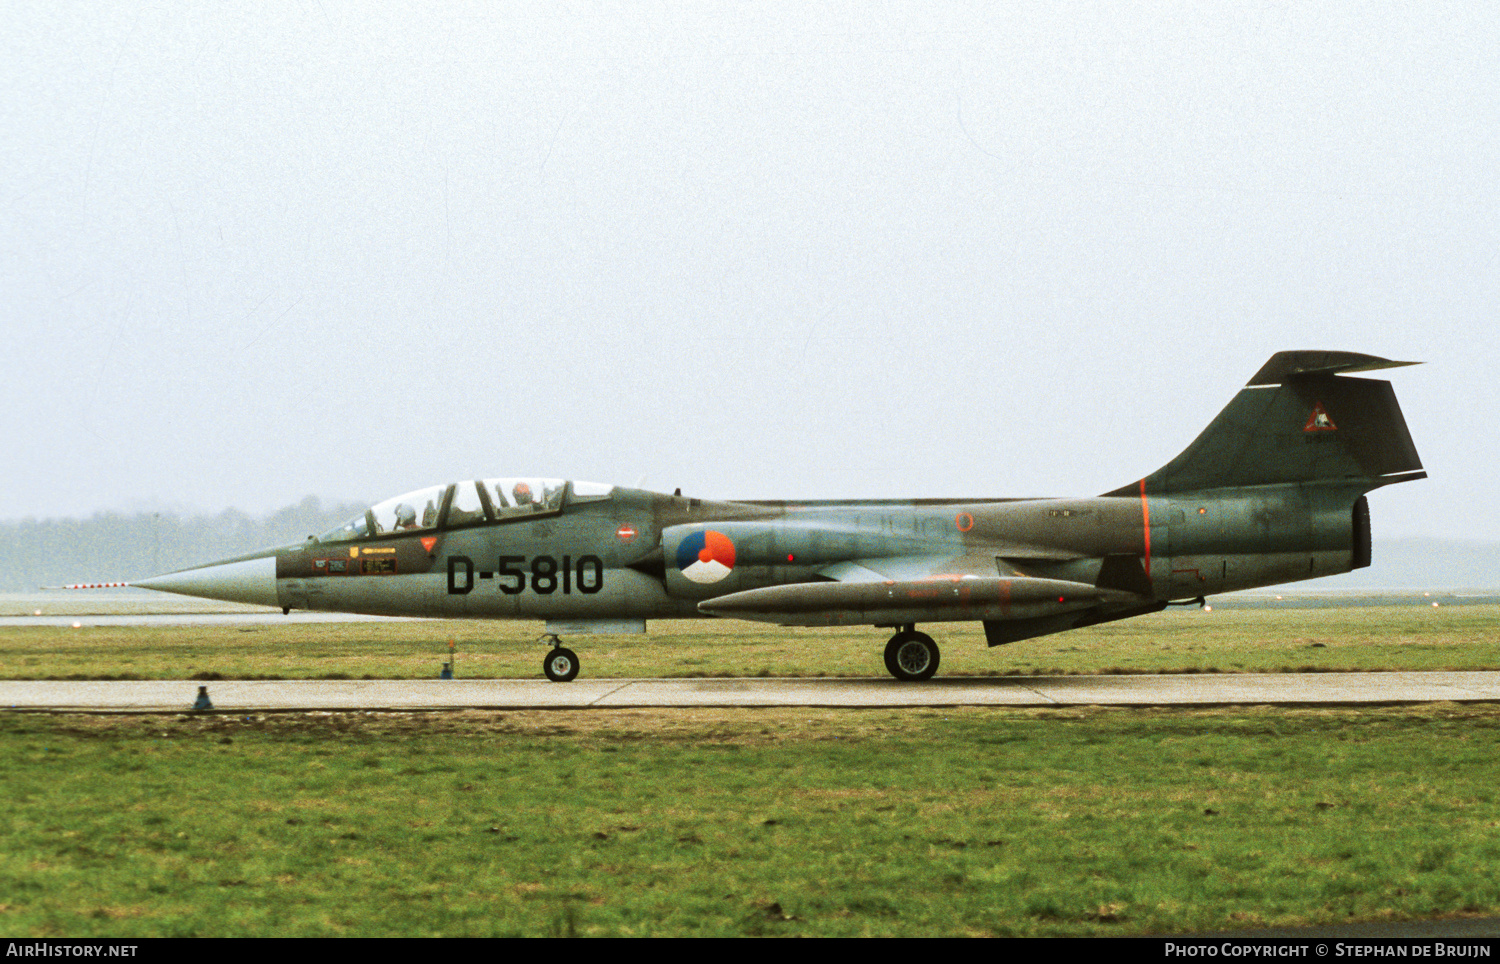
[[911, 655], [561, 664]]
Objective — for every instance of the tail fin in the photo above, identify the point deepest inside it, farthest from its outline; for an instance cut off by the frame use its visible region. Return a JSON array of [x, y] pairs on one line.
[[1297, 421]]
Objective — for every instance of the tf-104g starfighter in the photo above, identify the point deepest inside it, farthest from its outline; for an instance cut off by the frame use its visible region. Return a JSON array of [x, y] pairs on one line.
[[1272, 491]]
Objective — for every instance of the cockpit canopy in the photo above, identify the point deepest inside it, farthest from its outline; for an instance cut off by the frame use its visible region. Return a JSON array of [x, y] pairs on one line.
[[474, 502]]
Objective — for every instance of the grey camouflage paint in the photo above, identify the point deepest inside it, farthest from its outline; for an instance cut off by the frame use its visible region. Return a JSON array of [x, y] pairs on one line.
[[1272, 491]]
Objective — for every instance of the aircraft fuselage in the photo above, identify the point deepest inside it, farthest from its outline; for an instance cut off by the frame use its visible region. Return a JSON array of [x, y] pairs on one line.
[[613, 559], [1272, 491]]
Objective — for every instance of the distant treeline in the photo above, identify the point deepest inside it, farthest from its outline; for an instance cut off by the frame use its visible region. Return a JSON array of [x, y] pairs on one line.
[[113, 547]]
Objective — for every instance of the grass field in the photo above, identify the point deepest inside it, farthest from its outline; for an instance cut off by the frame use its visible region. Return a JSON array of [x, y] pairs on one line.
[[976, 821], [746, 822], [1407, 638]]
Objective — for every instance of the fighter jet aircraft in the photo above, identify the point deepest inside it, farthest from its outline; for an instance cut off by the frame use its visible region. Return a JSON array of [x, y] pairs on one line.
[[1272, 491]]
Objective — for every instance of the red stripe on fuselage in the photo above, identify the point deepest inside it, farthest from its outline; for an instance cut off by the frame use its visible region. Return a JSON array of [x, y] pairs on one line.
[[1146, 526]]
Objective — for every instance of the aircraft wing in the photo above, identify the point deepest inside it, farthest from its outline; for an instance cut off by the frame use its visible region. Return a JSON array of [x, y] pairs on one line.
[[903, 568], [986, 563]]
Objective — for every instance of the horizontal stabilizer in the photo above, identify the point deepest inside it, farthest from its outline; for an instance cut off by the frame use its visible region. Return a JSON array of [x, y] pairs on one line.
[[1285, 364]]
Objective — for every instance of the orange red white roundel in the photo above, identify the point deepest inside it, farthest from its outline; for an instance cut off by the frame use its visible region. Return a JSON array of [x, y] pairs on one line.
[[626, 532], [706, 557]]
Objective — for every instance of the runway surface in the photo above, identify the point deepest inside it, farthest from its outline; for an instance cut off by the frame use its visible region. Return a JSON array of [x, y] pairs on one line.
[[1326, 689]]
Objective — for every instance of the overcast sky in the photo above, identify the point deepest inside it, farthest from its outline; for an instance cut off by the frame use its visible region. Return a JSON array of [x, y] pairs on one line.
[[254, 252]]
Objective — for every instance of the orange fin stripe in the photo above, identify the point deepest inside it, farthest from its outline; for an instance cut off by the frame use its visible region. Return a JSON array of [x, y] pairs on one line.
[[1146, 526]]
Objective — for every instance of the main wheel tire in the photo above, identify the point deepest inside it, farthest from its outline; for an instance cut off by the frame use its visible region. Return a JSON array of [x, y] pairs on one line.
[[911, 656], [561, 665]]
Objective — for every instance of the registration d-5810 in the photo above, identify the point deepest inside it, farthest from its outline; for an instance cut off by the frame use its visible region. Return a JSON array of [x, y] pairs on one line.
[[544, 574]]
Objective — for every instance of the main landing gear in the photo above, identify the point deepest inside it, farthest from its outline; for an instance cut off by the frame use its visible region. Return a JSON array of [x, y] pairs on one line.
[[561, 664], [911, 655]]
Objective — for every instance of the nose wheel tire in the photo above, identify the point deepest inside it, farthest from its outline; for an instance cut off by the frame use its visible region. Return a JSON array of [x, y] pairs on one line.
[[561, 665], [911, 655]]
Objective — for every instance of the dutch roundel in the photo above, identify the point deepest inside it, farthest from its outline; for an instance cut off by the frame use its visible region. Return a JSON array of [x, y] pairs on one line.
[[706, 557]]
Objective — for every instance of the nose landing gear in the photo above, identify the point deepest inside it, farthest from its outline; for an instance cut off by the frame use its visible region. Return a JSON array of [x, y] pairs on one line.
[[911, 655], [561, 664]]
